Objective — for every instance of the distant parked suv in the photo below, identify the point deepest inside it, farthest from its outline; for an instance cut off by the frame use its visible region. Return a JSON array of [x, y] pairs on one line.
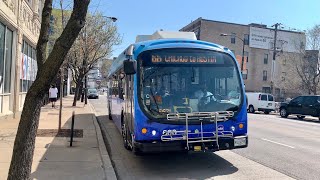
[[301, 106]]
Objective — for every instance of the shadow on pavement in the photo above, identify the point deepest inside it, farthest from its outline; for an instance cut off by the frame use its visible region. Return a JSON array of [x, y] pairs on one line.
[[162, 165], [306, 119], [292, 117], [55, 159]]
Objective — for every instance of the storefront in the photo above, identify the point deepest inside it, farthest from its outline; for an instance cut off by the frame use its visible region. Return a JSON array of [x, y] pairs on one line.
[[7, 63]]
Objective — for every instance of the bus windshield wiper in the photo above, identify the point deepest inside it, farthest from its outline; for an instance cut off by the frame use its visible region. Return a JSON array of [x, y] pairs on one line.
[[155, 69]]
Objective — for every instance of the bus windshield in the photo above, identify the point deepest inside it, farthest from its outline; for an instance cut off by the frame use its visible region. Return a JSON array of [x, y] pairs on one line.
[[187, 81]]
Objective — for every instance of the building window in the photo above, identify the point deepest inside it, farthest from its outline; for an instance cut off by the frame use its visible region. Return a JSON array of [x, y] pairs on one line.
[[29, 67], [246, 39], [246, 55], [40, 8], [277, 92], [284, 62], [283, 77], [265, 59], [266, 89], [302, 45], [2, 48], [6, 41], [8, 62], [30, 3], [245, 74], [233, 38], [265, 77]]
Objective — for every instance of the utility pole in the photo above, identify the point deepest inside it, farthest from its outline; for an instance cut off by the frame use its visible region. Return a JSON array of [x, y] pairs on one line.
[[85, 65], [274, 55]]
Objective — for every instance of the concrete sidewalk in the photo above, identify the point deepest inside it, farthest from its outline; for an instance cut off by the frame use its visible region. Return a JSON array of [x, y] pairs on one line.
[[53, 158]]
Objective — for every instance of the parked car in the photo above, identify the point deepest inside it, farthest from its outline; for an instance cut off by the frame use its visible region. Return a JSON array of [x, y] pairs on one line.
[[301, 106], [257, 101], [93, 93]]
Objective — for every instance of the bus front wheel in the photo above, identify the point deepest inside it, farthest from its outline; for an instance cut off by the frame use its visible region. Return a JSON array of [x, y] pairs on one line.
[[109, 113]]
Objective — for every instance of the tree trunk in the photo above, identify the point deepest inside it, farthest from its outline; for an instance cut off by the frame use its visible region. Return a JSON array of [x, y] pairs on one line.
[[21, 162], [80, 91], [76, 94], [314, 90]]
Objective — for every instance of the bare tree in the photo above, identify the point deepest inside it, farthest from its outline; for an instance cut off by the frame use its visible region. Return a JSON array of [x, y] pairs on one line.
[[94, 43], [21, 162], [105, 70], [313, 38], [302, 70], [307, 64], [308, 70]]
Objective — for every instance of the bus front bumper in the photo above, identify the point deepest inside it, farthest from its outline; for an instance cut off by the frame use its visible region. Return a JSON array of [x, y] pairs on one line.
[[167, 146]]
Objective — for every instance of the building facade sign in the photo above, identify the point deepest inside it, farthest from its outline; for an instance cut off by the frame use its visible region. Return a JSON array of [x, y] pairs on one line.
[[286, 41]]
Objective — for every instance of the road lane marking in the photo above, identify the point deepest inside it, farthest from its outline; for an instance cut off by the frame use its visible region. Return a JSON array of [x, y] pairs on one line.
[[277, 143]]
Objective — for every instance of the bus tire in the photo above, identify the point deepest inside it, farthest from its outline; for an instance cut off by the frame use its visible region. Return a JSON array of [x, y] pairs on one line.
[[109, 113], [125, 136], [136, 151]]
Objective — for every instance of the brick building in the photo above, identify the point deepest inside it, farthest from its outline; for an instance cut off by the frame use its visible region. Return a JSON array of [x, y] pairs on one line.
[[260, 74]]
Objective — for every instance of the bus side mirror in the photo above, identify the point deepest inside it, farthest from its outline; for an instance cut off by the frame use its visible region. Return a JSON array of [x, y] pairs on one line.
[[130, 67]]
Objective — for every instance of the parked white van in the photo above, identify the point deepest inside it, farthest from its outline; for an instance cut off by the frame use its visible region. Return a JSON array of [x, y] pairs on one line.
[[257, 101]]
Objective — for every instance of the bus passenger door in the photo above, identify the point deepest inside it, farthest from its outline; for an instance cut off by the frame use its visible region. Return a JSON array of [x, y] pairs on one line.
[[128, 110]]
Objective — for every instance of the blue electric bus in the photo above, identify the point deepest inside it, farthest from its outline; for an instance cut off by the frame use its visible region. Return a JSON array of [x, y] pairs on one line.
[[178, 95]]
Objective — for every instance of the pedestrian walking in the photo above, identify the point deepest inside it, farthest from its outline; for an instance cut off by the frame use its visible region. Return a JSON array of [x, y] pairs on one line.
[[53, 95]]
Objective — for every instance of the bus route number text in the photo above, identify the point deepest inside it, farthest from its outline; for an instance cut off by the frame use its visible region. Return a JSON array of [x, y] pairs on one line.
[[183, 59]]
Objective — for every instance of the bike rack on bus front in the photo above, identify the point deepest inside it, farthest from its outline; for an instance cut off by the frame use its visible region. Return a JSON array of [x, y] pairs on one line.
[[191, 137]]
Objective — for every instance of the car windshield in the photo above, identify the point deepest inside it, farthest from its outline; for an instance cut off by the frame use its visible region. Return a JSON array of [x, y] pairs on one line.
[[172, 85], [92, 91]]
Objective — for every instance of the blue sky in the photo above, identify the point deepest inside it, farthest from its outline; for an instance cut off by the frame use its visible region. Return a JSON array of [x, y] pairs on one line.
[[146, 16]]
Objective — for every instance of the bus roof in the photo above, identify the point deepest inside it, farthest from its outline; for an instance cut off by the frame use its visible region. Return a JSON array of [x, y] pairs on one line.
[[162, 44], [167, 35]]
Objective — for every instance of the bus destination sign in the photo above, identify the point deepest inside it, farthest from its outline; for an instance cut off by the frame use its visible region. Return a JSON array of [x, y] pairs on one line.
[[183, 59]]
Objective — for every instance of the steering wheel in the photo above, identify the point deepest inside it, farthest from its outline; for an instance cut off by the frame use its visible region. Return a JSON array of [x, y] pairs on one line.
[[218, 97]]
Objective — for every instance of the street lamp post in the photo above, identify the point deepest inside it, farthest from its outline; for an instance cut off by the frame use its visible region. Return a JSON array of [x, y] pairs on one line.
[[114, 19], [242, 60]]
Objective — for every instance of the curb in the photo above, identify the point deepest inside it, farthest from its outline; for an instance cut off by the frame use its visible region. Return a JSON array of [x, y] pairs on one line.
[[109, 172]]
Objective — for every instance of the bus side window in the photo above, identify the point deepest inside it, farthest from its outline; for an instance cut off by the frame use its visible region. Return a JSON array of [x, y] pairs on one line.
[[120, 89], [114, 88]]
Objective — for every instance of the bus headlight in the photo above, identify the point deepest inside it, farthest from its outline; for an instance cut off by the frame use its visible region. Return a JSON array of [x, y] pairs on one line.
[[233, 128], [153, 132]]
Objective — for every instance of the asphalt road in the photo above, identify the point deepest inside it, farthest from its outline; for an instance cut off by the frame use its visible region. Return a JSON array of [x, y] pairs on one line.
[[290, 146], [236, 164]]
